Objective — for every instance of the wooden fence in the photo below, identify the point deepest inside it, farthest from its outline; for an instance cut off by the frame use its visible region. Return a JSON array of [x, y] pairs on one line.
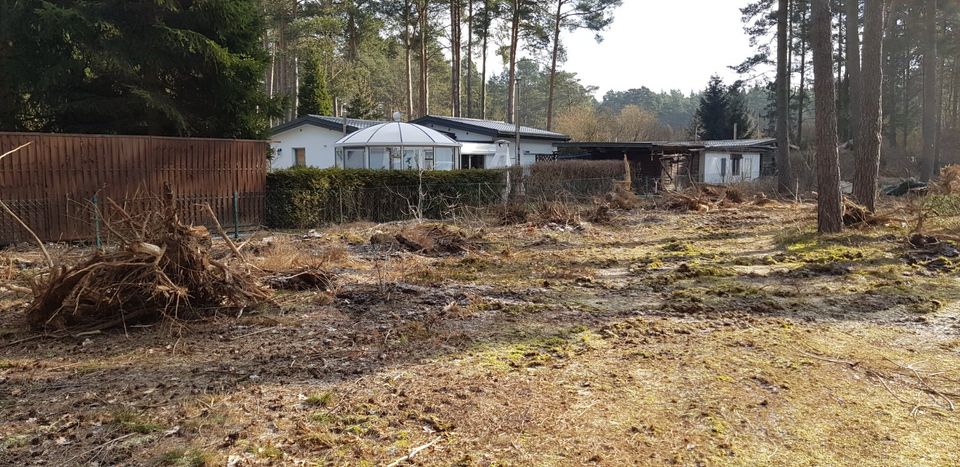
[[54, 183]]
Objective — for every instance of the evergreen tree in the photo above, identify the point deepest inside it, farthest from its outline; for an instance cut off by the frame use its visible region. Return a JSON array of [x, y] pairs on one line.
[[136, 67], [738, 117], [314, 96], [711, 117], [363, 104], [722, 109]]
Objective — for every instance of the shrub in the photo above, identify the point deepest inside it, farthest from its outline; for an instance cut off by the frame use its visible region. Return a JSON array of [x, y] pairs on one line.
[[309, 197], [578, 180]]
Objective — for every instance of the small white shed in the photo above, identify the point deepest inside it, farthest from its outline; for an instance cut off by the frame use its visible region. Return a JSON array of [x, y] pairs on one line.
[[734, 160], [398, 146]]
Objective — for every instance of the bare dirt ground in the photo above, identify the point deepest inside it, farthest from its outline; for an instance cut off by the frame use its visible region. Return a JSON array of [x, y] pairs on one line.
[[731, 337]]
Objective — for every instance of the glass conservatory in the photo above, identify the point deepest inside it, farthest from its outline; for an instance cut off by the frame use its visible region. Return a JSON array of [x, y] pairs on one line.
[[398, 146]]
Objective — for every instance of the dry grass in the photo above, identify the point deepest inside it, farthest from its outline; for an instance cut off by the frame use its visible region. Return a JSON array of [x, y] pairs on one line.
[[284, 253], [664, 338]]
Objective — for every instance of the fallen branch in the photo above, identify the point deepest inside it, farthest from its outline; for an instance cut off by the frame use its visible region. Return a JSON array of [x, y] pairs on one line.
[[223, 233], [15, 149], [414, 452], [17, 218], [23, 224], [17, 288]]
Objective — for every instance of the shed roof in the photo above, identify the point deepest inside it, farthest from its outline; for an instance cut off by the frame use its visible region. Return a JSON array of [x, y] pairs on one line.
[[494, 128], [326, 121], [397, 134]]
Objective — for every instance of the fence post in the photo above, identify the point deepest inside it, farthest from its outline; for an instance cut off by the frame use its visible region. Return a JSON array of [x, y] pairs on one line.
[[96, 221], [236, 216], [340, 196]]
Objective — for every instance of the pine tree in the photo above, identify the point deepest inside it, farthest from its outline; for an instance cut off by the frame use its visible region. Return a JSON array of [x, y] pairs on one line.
[[363, 105], [738, 118], [314, 96], [711, 117], [829, 199], [723, 109]]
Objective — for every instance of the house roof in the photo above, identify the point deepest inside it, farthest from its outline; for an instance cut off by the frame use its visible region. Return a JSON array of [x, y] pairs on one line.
[[326, 121], [733, 144], [494, 128], [397, 134]]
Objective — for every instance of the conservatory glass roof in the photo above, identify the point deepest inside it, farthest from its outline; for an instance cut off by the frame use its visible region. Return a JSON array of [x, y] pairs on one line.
[[397, 134]]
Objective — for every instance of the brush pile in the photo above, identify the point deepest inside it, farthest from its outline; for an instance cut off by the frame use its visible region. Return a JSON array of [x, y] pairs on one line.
[[161, 269], [436, 240], [704, 198], [622, 197], [949, 180]]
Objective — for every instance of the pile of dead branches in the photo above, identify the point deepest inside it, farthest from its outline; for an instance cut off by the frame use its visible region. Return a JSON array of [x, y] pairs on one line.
[[622, 196], [857, 215], [704, 198], [949, 180], [437, 240], [161, 269]]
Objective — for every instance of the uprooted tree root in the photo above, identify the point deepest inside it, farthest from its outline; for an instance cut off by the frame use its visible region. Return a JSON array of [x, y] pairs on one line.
[[162, 269]]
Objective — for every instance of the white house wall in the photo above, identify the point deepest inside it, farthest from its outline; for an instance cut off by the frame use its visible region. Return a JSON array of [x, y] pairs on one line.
[[711, 167], [318, 143], [531, 147]]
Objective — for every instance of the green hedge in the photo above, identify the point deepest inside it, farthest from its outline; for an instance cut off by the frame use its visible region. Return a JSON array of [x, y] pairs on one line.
[[309, 197]]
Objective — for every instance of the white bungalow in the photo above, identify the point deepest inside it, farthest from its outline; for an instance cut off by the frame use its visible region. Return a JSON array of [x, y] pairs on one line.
[[309, 140], [398, 146]]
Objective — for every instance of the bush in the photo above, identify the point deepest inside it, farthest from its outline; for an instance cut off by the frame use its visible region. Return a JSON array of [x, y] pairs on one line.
[[309, 197], [577, 180]]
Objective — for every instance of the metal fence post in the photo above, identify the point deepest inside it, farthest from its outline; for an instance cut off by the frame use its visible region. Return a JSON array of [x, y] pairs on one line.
[[96, 221], [236, 216]]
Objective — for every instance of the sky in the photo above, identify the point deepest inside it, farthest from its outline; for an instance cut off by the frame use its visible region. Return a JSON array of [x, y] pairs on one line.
[[661, 44]]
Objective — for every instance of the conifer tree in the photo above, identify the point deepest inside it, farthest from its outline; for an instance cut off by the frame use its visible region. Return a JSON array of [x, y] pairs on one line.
[[314, 96]]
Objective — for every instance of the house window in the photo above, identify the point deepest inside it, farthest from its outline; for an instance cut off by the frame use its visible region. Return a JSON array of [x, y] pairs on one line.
[[379, 158], [299, 157], [428, 159], [723, 168], [472, 161], [354, 158], [735, 161]]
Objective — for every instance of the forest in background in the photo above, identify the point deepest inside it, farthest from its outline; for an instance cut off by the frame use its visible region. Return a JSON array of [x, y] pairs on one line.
[[235, 68]]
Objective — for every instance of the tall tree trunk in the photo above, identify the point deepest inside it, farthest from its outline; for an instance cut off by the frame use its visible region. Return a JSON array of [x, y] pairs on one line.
[[455, 68], [867, 168], [855, 86], [553, 62], [514, 46], [483, 61], [469, 58], [829, 198], [423, 21], [785, 182], [408, 56], [801, 94], [931, 108]]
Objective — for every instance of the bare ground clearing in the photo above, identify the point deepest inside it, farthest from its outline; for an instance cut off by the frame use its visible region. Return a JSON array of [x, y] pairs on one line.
[[730, 337]]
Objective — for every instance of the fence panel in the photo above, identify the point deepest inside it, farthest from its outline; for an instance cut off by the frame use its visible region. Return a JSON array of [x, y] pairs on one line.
[[60, 183]]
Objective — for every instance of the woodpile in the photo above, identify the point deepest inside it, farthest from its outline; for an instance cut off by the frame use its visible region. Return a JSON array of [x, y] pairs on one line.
[[161, 269]]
